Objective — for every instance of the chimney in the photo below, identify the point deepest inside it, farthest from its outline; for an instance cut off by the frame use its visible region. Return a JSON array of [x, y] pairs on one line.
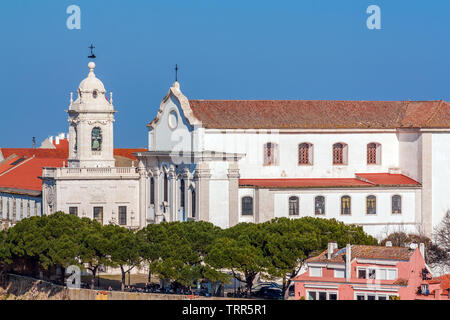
[[331, 247], [57, 140], [388, 244], [348, 260], [422, 250]]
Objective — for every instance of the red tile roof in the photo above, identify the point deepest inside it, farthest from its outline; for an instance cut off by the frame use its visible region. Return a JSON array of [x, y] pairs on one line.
[[127, 153], [361, 180], [320, 114], [367, 252], [302, 183], [25, 175], [384, 179]]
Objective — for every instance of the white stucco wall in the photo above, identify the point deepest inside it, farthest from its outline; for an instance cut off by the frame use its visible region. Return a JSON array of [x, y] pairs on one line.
[[252, 144], [378, 225], [218, 204], [109, 194], [441, 176], [410, 144], [167, 138]]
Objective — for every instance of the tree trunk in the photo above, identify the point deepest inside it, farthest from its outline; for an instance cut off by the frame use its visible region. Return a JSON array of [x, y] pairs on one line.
[[149, 276], [123, 277], [94, 272]]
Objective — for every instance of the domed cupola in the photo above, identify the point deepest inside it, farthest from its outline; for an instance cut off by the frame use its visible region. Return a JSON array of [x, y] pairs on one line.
[[91, 94], [91, 125]]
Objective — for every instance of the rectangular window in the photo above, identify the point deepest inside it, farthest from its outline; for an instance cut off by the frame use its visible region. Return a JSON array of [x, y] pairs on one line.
[[304, 150], [332, 296], [98, 214], [381, 274], [315, 271], [360, 297], [339, 273], [338, 153], [123, 215], [345, 205], [322, 296], [371, 204], [270, 154], [152, 191], [396, 204], [247, 206], [382, 297], [73, 211], [362, 273], [293, 206], [311, 295], [391, 274], [319, 205], [371, 274], [372, 153], [371, 297]]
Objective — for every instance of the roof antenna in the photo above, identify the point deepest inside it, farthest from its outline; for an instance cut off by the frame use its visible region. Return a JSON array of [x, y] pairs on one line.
[[92, 56], [34, 142]]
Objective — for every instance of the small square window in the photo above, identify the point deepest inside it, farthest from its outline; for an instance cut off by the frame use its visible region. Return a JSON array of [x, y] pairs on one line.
[[312, 295], [362, 273], [322, 296], [332, 296], [73, 211]]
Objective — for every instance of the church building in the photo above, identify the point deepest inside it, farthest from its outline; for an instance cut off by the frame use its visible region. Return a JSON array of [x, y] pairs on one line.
[[379, 164]]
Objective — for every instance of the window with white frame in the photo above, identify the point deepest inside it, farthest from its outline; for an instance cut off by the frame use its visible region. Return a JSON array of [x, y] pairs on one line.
[[371, 296], [339, 273], [321, 295], [377, 273], [315, 271]]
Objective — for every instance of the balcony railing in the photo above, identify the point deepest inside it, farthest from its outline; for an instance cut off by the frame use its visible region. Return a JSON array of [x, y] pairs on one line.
[[75, 172]]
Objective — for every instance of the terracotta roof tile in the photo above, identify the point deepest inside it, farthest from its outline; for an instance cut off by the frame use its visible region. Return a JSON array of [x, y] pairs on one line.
[[368, 252], [320, 114], [25, 175], [361, 180]]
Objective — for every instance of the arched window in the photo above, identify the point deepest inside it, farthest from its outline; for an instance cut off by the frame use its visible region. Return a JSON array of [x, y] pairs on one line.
[[293, 206], [371, 205], [396, 204], [270, 154], [340, 153], [373, 153], [166, 187], [193, 203], [247, 206], [305, 153], [182, 193], [152, 190], [346, 205], [319, 205], [96, 139]]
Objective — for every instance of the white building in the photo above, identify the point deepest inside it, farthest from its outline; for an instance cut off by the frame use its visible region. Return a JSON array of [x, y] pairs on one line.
[[382, 165]]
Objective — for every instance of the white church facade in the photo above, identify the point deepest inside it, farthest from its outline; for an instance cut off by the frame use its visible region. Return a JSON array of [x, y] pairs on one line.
[[382, 165]]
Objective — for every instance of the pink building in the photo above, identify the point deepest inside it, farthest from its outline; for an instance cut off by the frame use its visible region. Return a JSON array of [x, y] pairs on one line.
[[360, 272]]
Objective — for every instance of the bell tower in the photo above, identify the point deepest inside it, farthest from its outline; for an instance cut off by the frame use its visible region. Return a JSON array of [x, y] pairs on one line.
[[91, 119]]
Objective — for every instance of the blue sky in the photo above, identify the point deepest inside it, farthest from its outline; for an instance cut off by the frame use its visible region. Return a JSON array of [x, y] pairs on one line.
[[227, 49]]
